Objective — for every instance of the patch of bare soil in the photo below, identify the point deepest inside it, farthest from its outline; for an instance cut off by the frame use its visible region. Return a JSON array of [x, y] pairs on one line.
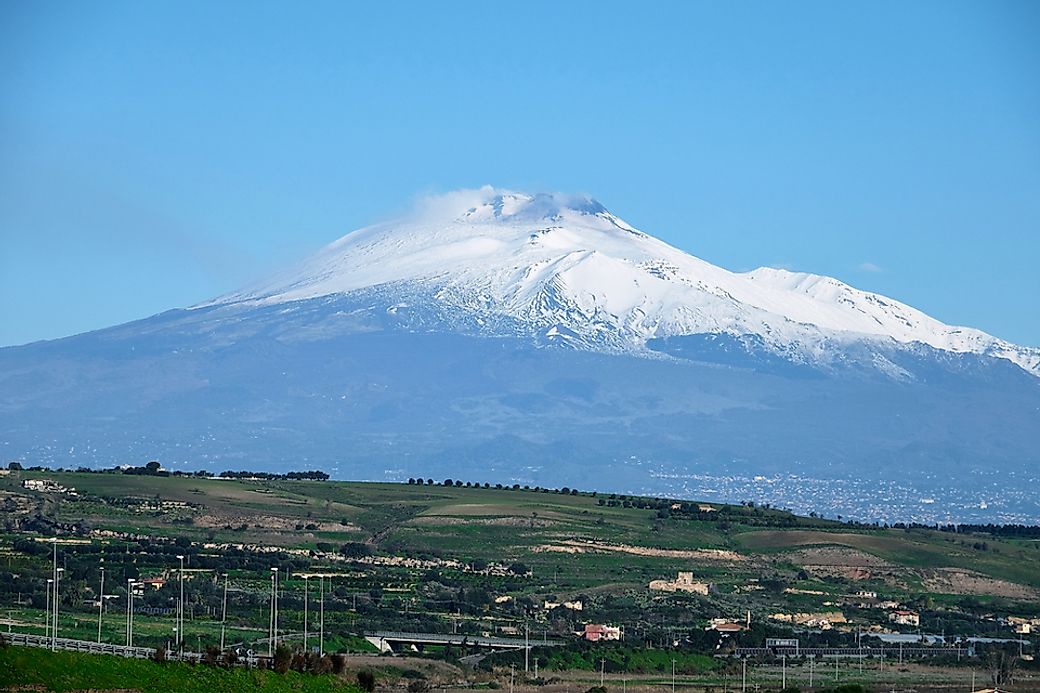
[[836, 556], [274, 522], [841, 562], [961, 581], [442, 521], [577, 546]]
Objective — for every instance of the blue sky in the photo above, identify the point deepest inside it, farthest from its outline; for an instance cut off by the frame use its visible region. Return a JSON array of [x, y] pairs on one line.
[[155, 154]]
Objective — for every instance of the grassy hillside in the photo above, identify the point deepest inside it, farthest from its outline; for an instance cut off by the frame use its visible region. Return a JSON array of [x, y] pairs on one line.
[[537, 528], [480, 560]]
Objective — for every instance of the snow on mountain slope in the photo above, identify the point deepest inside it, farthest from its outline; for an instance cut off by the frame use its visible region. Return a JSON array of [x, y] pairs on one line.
[[567, 268]]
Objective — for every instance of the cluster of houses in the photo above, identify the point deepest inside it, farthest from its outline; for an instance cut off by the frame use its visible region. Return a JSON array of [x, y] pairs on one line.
[[728, 626], [574, 605], [1023, 626], [685, 582], [48, 486], [904, 617], [596, 632], [824, 620]]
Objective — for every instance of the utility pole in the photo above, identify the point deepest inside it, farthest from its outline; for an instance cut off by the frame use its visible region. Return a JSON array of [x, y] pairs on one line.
[[101, 603], [812, 662], [223, 613], [512, 673], [602, 667], [673, 676], [743, 675], [783, 679], [321, 617]]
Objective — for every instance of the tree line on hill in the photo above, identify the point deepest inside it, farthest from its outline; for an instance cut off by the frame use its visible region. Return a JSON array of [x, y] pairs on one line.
[[153, 468]]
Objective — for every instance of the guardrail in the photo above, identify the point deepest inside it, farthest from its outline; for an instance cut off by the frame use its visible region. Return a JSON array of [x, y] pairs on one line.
[[248, 659], [29, 640], [859, 652]]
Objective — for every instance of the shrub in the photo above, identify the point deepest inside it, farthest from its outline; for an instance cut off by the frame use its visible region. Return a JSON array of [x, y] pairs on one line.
[[355, 549], [282, 659], [212, 655], [366, 680]]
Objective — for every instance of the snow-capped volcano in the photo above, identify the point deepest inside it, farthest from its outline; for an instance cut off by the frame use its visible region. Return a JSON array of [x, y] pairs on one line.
[[418, 347], [566, 269]]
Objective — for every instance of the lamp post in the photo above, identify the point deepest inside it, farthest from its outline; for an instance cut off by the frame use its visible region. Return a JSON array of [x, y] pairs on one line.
[[180, 606], [306, 583], [527, 648], [52, 613], [274, 611], [47, 620], [130, 612], [57, 593], [223, 613], [101, 603]]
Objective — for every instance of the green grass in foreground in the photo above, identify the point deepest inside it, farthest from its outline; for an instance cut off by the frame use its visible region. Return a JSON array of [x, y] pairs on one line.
[[77, 671]]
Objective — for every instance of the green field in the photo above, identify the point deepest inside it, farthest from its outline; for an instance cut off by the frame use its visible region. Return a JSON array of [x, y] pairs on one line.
[[478, 560]]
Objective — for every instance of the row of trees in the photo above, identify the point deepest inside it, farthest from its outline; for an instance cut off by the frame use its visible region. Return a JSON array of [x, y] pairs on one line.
[[154, 468], [458, 483]]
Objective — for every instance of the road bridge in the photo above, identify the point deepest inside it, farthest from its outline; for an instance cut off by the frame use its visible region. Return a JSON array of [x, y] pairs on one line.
[[385, 641]]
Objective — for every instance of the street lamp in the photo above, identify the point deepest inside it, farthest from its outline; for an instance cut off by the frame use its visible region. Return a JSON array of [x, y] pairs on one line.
[[101, 602], [47, 621], [180, 607], [130, 612], [274, 611], [54, 631], [223, 613], [306, 583], [321, 618], [54, 586]]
